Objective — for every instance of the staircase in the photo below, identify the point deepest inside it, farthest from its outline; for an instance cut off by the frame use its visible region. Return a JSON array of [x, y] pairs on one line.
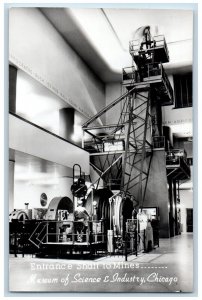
[[38, 235]]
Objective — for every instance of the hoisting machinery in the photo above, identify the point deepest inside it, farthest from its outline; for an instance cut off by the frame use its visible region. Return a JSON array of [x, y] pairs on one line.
[[120, 152]]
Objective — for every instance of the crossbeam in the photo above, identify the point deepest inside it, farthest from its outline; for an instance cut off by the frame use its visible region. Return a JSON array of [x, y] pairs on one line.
[[104, 110]]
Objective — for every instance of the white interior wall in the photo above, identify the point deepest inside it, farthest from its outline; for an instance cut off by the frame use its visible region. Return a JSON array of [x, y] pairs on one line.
[[36, 103], [11, 185], [36, 47], [28, 139], [112, 92], [30, 193]]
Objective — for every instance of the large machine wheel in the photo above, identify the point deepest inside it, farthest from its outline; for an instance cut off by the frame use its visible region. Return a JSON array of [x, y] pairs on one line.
[[101, 196], [58, 203], [121, 209], [19, 215]]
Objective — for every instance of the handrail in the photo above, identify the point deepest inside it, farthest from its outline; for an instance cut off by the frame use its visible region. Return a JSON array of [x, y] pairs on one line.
[[165, 77], [40, 232], [176, 155], [37, 237], [38, 225], [136, 43], [87, 234]]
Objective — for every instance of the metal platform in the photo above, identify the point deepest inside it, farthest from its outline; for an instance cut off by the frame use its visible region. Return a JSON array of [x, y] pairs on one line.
[[157, 49], [154, 75], [176, 165], [70, 243]]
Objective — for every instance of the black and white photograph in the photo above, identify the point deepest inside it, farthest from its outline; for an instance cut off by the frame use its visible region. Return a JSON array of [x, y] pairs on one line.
[[100, 149]]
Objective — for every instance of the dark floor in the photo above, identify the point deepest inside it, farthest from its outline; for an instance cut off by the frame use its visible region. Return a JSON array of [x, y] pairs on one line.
[[168, 268]]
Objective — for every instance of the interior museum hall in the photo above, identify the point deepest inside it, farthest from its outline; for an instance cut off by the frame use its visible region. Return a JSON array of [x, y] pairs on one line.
[[100, 149]]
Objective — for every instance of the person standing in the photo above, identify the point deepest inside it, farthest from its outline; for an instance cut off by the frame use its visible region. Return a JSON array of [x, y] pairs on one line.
[[81, 218]]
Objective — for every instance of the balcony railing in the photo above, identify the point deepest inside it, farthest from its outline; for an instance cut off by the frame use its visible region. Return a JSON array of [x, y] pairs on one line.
[[158, 41], [153, 73], [130, 73], [167, 82], [110, 145], [117, 145], [176, 164], [68, 232], [173, 157], [148, 71]]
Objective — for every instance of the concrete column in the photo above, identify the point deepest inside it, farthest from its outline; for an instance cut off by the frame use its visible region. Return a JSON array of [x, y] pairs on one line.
[[12, 108], [157, 120], [168, 137], [11, 184], [12, 88], [157, 191], [175, 206], [171, 212], [67, 116]]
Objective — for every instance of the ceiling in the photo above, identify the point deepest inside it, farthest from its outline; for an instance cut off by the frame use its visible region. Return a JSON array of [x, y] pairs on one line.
[[101, 36]]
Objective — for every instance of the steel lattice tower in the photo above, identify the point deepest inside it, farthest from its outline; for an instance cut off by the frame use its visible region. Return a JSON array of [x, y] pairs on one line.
[[146, 85]]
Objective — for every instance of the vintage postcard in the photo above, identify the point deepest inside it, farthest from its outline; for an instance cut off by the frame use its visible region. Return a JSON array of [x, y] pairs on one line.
[[100, 149]]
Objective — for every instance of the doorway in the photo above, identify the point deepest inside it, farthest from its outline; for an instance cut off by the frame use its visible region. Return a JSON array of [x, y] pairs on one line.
[[189, 220]]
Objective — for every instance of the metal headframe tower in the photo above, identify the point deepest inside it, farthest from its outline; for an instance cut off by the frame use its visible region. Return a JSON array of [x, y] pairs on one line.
[[121, 153]]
